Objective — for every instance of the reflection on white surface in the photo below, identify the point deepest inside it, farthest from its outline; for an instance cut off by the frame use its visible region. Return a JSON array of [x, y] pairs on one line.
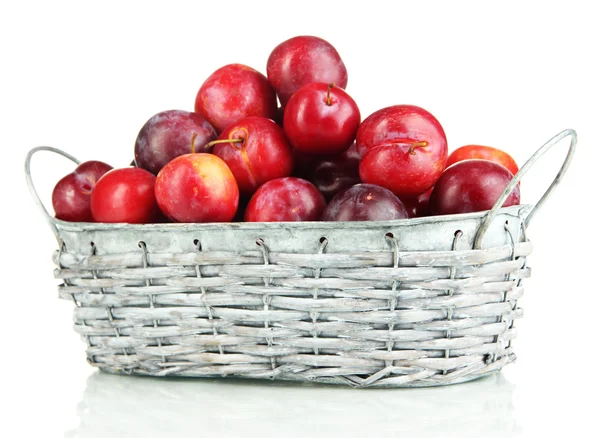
[[114, 406]]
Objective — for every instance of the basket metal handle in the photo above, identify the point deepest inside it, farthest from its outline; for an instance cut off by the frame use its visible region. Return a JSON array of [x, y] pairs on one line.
[[489, 217], [34, 192]]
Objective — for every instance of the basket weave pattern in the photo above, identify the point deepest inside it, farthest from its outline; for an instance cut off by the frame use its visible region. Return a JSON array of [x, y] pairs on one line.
[[386, 317]]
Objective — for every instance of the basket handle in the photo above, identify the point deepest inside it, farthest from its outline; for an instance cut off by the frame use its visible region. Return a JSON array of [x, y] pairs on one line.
[[31, 186], [489, 217]]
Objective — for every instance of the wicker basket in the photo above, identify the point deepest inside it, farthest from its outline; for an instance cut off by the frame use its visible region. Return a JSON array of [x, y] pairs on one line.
[[413, 302]]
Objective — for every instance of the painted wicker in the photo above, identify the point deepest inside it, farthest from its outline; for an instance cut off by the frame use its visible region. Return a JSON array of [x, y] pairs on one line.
[[413, 302]]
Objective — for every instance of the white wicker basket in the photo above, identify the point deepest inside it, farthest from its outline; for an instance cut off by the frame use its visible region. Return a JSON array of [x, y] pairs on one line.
[[412, 302]]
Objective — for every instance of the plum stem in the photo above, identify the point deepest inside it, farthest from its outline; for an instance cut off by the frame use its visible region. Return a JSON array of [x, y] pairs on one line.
[[418, 144], [194, 135], [225, 140], [328, 98]]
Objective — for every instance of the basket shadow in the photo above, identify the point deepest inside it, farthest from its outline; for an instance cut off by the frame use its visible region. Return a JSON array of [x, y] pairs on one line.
[[115, 405]]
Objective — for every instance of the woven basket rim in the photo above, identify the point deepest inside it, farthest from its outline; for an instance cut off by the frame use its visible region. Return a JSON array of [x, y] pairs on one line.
[[516, 210]]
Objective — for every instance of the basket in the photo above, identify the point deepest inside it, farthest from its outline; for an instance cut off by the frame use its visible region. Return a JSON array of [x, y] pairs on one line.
[[412, 302]]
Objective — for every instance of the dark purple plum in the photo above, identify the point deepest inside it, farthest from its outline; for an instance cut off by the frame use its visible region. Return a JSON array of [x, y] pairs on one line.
[[365, 202], [71, 195], [169, 134], [332, 175]]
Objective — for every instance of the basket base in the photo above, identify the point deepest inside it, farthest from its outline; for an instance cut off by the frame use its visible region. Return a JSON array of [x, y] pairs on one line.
[[301, 382]]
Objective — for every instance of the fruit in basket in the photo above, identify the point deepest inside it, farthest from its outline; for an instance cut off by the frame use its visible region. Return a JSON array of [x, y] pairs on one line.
[[321, 119], [288, 199], [233, 92], [402, 124], [333, 174], [241, 156], [125, 195], [485, 153], [167, 135], [258, 152], [419, 206], [197, 188], [71, 194], [365, 202], [403, 149], [403, 168], [471, 185], [302, 60]]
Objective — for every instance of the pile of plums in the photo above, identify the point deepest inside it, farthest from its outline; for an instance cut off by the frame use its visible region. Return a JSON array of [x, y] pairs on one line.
[[287, 146]]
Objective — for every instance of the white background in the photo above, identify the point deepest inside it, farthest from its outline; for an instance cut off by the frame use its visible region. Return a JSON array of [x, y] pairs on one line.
[[85, 76]]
